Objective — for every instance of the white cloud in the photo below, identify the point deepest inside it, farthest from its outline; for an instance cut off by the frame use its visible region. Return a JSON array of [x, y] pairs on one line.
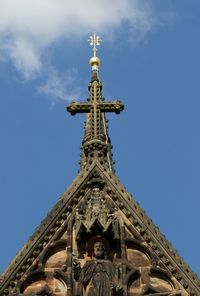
[[60, 86], [29, 27]]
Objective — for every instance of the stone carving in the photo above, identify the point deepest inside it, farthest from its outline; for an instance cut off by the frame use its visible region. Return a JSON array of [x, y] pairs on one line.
[[97, 211], [98, 276]]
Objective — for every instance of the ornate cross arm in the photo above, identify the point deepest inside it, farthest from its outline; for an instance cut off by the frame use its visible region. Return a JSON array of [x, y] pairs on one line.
[[115, 106], [75, 107]]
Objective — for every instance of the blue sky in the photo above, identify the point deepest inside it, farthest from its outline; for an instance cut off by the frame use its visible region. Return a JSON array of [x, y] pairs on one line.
[[149, 60]]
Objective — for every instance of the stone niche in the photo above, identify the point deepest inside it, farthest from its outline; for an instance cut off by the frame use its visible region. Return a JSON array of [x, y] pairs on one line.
[[48, 278], [45, 284], [151, 282], [137, 257], [54, 257]]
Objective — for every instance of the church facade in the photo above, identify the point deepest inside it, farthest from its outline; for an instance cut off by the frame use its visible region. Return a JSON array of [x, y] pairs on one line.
[[97, 241]]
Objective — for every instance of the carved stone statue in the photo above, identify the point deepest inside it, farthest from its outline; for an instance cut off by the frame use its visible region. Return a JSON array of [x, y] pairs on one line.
[[98, 276]]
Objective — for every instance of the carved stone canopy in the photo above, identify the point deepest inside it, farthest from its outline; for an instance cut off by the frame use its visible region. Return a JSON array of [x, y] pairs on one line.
[[96, 214]]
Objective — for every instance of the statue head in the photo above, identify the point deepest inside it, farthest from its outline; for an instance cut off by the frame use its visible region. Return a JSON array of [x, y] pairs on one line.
[[99, 250]]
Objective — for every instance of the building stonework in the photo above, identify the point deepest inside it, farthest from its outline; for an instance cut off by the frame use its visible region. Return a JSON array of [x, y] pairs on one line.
[[97, 240]]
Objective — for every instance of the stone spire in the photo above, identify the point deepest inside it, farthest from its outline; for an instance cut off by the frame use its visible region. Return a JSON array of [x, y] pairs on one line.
[[96, 143]]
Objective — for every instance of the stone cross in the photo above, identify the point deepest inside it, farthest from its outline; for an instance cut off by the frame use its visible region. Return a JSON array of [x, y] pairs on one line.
[[95, 107]]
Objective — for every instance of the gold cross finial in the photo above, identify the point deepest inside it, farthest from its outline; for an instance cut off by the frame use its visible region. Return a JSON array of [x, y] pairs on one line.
[[94, 41]]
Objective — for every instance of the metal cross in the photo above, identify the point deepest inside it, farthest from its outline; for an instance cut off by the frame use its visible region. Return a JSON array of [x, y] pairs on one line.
[[94, 41]]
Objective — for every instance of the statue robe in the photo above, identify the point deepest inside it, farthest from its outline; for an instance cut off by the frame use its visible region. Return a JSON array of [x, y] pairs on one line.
[[96, 278]]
